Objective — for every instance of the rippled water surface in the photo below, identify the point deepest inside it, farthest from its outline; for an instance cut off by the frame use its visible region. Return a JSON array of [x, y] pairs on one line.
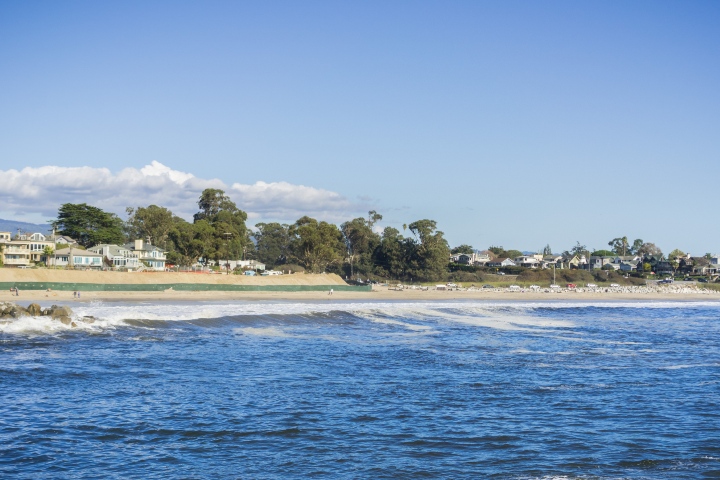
[[364, 390]]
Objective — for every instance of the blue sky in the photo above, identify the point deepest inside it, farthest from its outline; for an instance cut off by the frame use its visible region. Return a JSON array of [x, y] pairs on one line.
[[509, 123]]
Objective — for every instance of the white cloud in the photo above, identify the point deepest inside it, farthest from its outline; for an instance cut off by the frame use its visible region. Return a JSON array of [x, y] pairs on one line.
[[33, 191]]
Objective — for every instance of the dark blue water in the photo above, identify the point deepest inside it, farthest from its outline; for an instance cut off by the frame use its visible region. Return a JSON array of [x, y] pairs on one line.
[[364, 390]]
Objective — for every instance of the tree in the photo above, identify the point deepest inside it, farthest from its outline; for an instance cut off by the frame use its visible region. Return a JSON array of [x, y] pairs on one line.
[[89, 225], [636, 246], [674, 258], [150, 222], [580, 250], [649, 249], [547, 250], [466, 249], [603, 253], [496, 250], [211, 202], [500, 252], [390, 257], [431, 252], [187, 242], [273, 243], [224, 230], [48, 252], [512, 253], [316, 245], [361, 242], [619, 245]]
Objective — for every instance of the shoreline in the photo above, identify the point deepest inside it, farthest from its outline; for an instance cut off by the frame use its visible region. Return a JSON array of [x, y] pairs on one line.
[[376, 295]]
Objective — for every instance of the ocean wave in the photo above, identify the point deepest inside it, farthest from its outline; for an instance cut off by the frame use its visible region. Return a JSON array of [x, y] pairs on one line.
[[416, 317]]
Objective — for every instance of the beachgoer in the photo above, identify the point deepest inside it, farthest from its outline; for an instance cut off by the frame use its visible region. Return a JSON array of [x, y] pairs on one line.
[[331, 291], [74, 294]]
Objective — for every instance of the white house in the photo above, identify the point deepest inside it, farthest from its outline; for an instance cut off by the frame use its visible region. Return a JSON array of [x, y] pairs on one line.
[[152, 256], [120, 257], [527, 261], [501, 262], [76, 258]]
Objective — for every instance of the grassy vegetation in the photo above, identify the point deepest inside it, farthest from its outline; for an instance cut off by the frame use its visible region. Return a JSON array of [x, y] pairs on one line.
[[710, 286]]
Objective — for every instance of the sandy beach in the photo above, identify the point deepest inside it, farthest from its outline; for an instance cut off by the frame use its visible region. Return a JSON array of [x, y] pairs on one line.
[[676, 292], [378, 294]]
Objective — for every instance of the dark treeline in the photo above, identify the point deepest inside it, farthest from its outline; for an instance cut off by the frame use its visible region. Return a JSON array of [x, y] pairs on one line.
[[219, 232]]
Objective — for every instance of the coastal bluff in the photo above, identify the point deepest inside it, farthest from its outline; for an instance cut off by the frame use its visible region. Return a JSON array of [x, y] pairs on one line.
[[81, 280]]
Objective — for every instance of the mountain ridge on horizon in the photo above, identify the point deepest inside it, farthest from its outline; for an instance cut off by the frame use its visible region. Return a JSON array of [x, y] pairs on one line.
[[12, 226]]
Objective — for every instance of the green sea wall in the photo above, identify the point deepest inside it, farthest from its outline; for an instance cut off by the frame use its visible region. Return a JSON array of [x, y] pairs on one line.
[[185, 287]]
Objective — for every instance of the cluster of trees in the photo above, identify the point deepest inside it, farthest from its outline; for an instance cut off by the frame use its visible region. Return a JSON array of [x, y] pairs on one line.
[[218, 232], [356, 248]]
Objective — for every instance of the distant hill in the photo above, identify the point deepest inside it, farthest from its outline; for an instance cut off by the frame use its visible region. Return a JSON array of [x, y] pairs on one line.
[[13, 225]]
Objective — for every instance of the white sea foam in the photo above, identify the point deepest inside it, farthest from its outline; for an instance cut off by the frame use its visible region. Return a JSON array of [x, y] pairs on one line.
[[682, 366], [412, 316]]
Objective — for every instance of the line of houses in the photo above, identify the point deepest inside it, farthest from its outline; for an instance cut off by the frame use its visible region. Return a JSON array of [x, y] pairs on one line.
[[25, 250], [624, 263]]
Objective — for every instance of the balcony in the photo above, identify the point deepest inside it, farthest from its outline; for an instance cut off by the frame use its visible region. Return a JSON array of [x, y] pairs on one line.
[[17, 261], [20, 250]]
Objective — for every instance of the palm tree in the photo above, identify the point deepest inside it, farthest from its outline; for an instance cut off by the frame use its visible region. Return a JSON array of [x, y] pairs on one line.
[[48, 252]]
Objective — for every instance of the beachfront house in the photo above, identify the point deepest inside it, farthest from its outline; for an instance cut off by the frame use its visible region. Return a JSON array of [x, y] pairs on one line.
[[15, 254], [77, 258], [119, 257], [475, 258], [501, 262], [25, 249], [150, 255], [527, 261]]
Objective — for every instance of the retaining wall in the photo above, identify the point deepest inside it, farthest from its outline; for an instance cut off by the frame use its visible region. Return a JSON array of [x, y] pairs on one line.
[[195, 287]]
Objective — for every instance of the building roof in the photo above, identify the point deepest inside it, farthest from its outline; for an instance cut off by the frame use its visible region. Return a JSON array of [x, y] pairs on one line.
[[77, 251]]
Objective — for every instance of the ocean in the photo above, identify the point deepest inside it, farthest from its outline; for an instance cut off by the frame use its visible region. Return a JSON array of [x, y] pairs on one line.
[[337, 389]]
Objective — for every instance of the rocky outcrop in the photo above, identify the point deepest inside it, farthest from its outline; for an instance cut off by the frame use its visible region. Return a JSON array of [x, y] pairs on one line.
[[10, 310]]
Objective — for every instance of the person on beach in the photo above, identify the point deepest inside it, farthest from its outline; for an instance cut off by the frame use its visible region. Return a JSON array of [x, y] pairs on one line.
[[74, 294], [330, 292]]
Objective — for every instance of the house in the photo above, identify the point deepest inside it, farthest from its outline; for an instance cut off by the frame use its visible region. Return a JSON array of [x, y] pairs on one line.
[[119, 257], [5, 237], [25, 249], [16, 253], [77, 258], [150, 255], [35, 237], [549, 261], [501, 262], [628, 266], [626, 258], [527, 261], [569, 260], [475, 258], [63, 240], [598, 262]]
